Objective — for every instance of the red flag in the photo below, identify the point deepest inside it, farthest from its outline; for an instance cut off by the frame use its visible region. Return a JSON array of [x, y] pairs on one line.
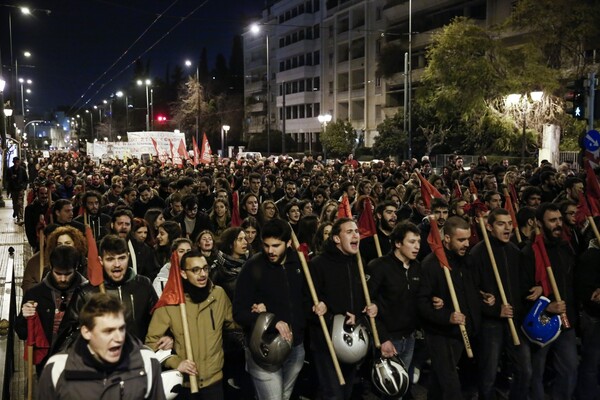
[[171, 147], [344, 208], [592, 188], [428, 191], [36, 338], [508, 206], [182, 151], [236, 220], [95, 270], [155, 146], [206, 153], [173, 292], [513, 195], [366, 222], [435, 242], [196, 160], [541, 262]]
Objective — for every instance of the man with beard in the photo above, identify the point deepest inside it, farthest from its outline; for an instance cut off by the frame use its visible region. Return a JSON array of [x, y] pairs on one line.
[[571, 232], [97, 221], [51, 297], [439, 209], [35, 213], [492, 200], [495, 335], [192, 220], [386, 218], [441, 324], [142, 258], [209, 312], [104, 362], [205, 197], [393, 284], [135, 291], [320, 197], [62, 211], [548, 186], [147, 200], [337, 282], [290, 194], [564, 348], [272, 281]]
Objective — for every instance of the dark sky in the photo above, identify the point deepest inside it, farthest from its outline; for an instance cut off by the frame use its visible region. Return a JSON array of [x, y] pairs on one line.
[[76, 44]]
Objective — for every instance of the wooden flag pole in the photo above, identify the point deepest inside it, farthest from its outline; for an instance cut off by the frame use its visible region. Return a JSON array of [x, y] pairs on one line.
[[315, 299], [377, 245], [511, 323], [29, 372], [86, 224], [463, 329], [42, 245], [594, 227], [188, 345], [363, 279]]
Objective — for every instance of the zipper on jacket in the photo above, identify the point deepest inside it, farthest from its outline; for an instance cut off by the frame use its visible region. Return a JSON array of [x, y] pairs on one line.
[[212, 318], [122, 388], [132, 306]]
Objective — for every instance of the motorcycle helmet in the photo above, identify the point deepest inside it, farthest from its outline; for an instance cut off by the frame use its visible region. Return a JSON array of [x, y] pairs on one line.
[[539, 327], [390, 377], [268, 348], [350, 342], [172, 381]]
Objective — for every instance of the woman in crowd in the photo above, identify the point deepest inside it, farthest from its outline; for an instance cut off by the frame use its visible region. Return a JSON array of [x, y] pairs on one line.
[[307, 226], [154, 217], [140, 231], [292, 214], [249, 206], [167, 233], [206, 244], [220, 216], [269, 211], [321, 237], [252, 230], [329, 211], [306, 207]]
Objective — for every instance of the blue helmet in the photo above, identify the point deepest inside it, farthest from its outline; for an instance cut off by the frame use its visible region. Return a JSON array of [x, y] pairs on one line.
[[540, 327]]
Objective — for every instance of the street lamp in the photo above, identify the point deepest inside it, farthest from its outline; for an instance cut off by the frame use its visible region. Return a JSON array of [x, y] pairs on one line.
[[523, 103], [224, 130], [188, 64], [147, 83], [22, 82], [120, 94], [91, 122], [255, 29], [324, 119]]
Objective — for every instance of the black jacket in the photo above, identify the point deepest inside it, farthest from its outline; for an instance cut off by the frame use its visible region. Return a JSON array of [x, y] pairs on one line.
[[368, 250], [393, 288], [563, 263], [588, 278], [32, 219], [145, 261], [280, 288], [202, 223], [135, 292], [433, 283], [99, 223], [507, 257]]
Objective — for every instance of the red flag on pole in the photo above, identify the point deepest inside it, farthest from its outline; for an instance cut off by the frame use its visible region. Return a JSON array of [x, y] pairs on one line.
[[428, 191], [196, 160], [182, 151], [366, 222], [344, 208], [236, 220], [155, 146], [95, 270], [541, 262], [36, 338], [206, 153], [435, 242], [173, 292], [508, 206], [171, 147]]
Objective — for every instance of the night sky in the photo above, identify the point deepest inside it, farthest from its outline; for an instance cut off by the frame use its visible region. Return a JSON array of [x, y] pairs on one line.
[[76, 44]]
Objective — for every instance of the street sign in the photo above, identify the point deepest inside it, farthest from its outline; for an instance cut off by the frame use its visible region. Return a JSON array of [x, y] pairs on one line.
[[591, 141]]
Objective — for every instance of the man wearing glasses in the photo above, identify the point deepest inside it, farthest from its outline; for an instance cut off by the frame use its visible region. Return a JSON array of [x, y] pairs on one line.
[[51, 297], [208, 311]]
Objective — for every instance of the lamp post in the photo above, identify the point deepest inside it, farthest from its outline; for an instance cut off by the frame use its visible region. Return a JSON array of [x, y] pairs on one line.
[[324, 119], [147, 83], [224, 130], [119, 95], [22, 82], [91, 123], [188, 63], [255, 29], [523, 103]]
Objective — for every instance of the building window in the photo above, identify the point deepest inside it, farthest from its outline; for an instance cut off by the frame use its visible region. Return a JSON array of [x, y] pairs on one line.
[[317, 83], [317, 109], [317, 57], [317, 31]]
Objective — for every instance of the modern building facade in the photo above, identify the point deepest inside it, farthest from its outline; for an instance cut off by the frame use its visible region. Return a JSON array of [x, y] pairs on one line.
[[323, 59]]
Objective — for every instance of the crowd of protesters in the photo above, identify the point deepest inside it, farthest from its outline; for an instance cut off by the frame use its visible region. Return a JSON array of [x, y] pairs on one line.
[[228, 224]]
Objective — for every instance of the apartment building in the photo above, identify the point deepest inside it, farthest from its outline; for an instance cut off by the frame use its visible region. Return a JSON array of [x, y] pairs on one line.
[[323, 60]]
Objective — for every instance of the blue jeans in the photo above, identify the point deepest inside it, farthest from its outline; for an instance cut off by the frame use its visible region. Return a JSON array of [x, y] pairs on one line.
[[494, 337], [277, 385], [405, 348], [564, 360], [590, 358]]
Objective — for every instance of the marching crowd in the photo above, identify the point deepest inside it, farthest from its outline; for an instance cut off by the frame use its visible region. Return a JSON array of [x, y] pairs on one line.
[[487, 276]]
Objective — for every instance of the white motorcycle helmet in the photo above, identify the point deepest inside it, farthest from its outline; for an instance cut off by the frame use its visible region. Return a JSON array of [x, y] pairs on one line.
[[350, 343], [390, 377], [171, 379]]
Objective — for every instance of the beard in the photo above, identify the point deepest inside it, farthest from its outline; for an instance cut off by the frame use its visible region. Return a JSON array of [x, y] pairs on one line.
[[549, 234], [386, 226]]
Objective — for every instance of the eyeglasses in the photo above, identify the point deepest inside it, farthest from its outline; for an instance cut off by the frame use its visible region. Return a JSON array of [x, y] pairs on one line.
[[197, 270]]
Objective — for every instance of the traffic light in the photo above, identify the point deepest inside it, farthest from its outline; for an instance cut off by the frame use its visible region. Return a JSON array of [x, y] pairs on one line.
[[575, 99], [161, 118]]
